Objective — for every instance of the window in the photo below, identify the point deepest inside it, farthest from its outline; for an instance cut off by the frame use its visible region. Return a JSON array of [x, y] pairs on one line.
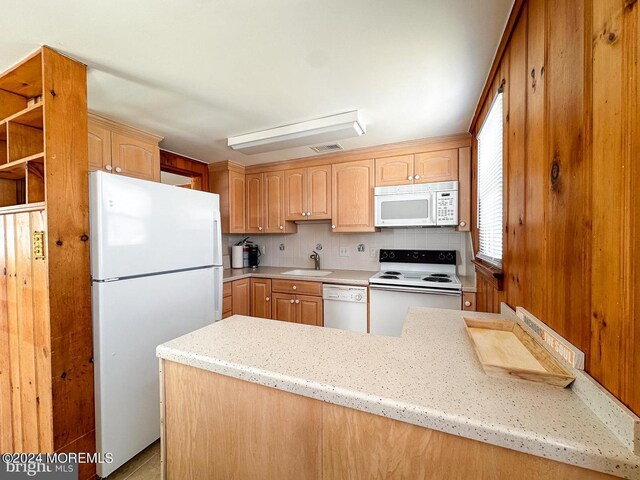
[[490, 185]]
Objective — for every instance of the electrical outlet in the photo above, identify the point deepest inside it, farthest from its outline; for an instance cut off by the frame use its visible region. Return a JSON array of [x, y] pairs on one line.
[[344, 251], [262, 249], [372, 252]]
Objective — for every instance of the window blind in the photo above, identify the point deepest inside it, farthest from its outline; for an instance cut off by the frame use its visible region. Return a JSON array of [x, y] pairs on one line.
[[490, 185]]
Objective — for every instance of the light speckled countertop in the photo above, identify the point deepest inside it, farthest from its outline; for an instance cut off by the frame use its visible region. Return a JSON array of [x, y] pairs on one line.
[[429, 376], [348, 277]]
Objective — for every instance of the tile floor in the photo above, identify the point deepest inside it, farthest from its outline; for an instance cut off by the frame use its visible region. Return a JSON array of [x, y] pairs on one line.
[[144, 466]]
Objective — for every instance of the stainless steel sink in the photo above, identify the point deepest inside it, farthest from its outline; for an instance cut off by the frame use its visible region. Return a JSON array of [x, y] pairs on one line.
[[308, 272]]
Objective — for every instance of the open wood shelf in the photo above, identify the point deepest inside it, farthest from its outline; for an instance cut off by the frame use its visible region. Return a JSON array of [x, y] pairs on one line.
[[31, 116], [17, 169], [25, 78]]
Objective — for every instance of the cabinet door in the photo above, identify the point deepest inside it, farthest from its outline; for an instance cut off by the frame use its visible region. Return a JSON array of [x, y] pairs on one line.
[[441, 166], [283, 307], [352, 197], [464, 190], [135, 158], [309, 310], [241, 296], [394, 171], [319, 192], [261, 297], [237, 199], [274, 202], [99, 148], [255, 212], [469, 301], [294, 194]]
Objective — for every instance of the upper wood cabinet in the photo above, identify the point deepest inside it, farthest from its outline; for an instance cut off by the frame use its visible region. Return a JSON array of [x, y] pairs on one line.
[[439, 166], [436, 166], [266, 204], [261, 297], [394, 170], [308, 193], [123, 150], [228, 180], [464, 190], [352, 197]]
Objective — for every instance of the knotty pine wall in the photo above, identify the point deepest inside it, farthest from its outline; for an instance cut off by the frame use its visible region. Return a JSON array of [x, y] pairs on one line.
[[571, 79]]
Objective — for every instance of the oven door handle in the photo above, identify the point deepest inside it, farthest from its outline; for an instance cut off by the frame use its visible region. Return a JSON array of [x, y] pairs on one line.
[[451, 293]]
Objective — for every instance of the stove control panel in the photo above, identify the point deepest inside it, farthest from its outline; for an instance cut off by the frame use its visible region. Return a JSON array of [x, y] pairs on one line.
[[442, 257]]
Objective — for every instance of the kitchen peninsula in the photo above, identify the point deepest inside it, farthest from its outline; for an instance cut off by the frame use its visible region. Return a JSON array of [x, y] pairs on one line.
[[249, 398]]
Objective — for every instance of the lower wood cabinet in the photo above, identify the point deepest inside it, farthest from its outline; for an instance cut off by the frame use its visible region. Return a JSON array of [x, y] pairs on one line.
[[297, 309], [241, 294], [469, 301], [261, 297], [227, 300]]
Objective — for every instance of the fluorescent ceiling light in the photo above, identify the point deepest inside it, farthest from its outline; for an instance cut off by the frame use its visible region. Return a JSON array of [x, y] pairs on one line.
[[320, 130]]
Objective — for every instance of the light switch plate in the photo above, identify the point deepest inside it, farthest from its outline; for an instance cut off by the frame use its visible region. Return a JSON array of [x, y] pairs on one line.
[[344, 251]]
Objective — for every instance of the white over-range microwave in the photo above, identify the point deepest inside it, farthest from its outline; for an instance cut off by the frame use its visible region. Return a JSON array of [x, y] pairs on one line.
[[421, 205]]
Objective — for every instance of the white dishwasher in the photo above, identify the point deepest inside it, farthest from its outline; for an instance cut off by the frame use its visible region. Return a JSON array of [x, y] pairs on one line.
[[345, 307]]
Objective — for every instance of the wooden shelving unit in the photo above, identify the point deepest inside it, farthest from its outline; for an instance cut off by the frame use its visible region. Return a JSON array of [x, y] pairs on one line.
[[46, 386]]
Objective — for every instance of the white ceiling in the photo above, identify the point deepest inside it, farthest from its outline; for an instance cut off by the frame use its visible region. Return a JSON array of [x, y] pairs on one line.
[[198, 71]]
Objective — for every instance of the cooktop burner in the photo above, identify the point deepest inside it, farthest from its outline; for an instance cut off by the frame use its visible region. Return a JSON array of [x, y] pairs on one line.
[[394, 277], [443, 275], [392, 273], [438, 279]]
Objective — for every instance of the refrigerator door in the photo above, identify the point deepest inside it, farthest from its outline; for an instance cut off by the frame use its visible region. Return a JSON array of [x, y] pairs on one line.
[[140, 227], [130, 319]]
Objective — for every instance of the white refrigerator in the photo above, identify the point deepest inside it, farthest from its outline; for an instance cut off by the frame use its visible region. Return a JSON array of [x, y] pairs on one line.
[[156, 268]]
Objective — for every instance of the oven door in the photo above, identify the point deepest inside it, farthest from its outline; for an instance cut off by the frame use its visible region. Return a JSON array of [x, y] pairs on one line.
[[405, 210], [389, 305]]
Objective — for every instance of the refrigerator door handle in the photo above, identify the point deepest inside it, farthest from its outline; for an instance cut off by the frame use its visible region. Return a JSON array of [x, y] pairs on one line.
[[217, 285], [217, 239]]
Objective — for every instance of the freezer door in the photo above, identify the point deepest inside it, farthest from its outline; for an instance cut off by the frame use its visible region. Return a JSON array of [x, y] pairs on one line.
[[130, 319], [140, 227]]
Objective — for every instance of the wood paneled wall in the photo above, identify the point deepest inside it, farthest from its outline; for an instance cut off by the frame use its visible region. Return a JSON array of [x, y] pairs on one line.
[[571, 79]]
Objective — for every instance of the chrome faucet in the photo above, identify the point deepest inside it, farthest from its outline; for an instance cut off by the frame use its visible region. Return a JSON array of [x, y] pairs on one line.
[[315, 256]]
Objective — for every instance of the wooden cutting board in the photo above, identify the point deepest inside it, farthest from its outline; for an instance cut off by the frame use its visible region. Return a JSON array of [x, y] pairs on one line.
[[506, 350]]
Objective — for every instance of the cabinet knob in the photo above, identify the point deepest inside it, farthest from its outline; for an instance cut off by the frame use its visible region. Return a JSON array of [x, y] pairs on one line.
[[308, 214], [294, 287], [260, 228], [467, 303], [333, 226], [417, 177], [108, 168], [463, 224], [281, 227], [304, 214], [297, 301], [291, 301], [118, 170], [410, 177], [268, 299]]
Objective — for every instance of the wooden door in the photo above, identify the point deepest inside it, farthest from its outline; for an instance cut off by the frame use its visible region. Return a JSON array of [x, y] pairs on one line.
[[352, 196], [261, 297], [25, 369], [394, 171], [255, 199], [318, 192], [274, 202], [237, 199], [135, 158], [309, 310], [241, 297], [283, 307], [295, 197], [99, 148], [440, 166]]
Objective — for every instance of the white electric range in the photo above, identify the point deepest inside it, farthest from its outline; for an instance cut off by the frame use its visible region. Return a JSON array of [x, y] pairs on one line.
[[411, 278]]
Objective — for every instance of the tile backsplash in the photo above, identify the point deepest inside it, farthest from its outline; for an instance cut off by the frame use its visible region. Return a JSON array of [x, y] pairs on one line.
[[298, 246]]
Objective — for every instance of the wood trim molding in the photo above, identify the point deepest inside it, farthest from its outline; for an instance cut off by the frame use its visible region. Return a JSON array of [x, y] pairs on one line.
[[491, 273], [124, 128], [380, 151], [502, 46], [226, 166]]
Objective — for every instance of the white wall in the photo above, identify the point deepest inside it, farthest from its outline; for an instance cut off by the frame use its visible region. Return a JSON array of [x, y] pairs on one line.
[[298, 247]]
